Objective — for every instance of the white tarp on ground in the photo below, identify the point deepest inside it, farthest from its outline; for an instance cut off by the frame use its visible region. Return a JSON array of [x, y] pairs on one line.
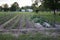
[[46, 24], [38, 25]]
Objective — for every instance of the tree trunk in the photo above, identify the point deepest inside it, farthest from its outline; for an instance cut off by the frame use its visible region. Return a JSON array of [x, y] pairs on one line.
[[54, 20]]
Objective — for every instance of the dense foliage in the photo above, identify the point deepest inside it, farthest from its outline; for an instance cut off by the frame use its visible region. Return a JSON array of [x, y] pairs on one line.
[[51, 4]]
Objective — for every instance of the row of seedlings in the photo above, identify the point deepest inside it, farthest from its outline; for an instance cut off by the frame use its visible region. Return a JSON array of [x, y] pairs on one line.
[[16, 24], [9, 23], [5, 18]]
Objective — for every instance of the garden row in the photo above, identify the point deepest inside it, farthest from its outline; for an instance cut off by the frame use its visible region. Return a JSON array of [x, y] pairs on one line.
[[12, 23], [5, 17]]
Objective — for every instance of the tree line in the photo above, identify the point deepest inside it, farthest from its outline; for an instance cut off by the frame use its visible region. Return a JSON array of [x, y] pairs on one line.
[[46, 5], [14, 7]]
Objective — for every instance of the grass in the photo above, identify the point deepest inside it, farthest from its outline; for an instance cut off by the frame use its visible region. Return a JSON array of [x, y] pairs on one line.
[[49, 16], [37, 36], [6, 37]]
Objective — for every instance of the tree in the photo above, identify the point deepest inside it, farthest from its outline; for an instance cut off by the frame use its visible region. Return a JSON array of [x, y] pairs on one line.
[[35, 6], [5, 7], [0, 8], [53, 5], [41, 8], [14, 7]]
